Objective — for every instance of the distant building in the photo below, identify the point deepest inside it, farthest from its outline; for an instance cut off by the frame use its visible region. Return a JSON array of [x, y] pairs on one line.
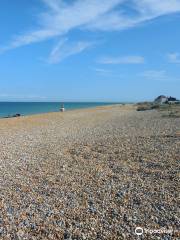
[[172, 99], [161, 99]]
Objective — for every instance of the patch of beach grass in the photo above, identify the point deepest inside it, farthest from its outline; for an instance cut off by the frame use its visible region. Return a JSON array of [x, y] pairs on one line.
[[170, 110], [144, 106]]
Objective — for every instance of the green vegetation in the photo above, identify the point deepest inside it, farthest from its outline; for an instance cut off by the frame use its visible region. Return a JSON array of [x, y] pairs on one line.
[[170, 110], [144, 106], [167, 110]]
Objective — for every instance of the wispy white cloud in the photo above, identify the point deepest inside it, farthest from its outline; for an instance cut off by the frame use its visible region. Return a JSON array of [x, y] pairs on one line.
[[174, 57], [61, 17], [5, 96], [144, 10], [101, 70], [64, 49], [158, 75], [122, 60], [157, 7]]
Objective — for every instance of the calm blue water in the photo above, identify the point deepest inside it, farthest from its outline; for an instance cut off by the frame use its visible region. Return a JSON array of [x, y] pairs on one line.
[[29, 108]]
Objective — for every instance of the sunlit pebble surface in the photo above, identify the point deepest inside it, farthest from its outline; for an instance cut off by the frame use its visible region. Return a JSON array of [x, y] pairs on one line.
[[89, 174]]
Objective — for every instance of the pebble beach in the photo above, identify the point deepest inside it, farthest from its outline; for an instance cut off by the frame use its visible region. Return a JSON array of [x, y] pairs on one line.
[[90, 174]]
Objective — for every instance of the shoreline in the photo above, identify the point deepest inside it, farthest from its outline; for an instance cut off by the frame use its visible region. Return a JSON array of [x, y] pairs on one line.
[[49, 114], [100, 104]]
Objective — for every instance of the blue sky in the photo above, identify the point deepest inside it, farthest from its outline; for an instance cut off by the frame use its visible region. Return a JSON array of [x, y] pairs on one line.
[[89, 50]]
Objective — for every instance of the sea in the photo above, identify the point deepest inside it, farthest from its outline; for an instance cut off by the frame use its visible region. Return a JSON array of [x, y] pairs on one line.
[[30, 108]]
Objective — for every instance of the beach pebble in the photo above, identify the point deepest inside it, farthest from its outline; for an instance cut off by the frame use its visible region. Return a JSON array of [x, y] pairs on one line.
[[89, 174]]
